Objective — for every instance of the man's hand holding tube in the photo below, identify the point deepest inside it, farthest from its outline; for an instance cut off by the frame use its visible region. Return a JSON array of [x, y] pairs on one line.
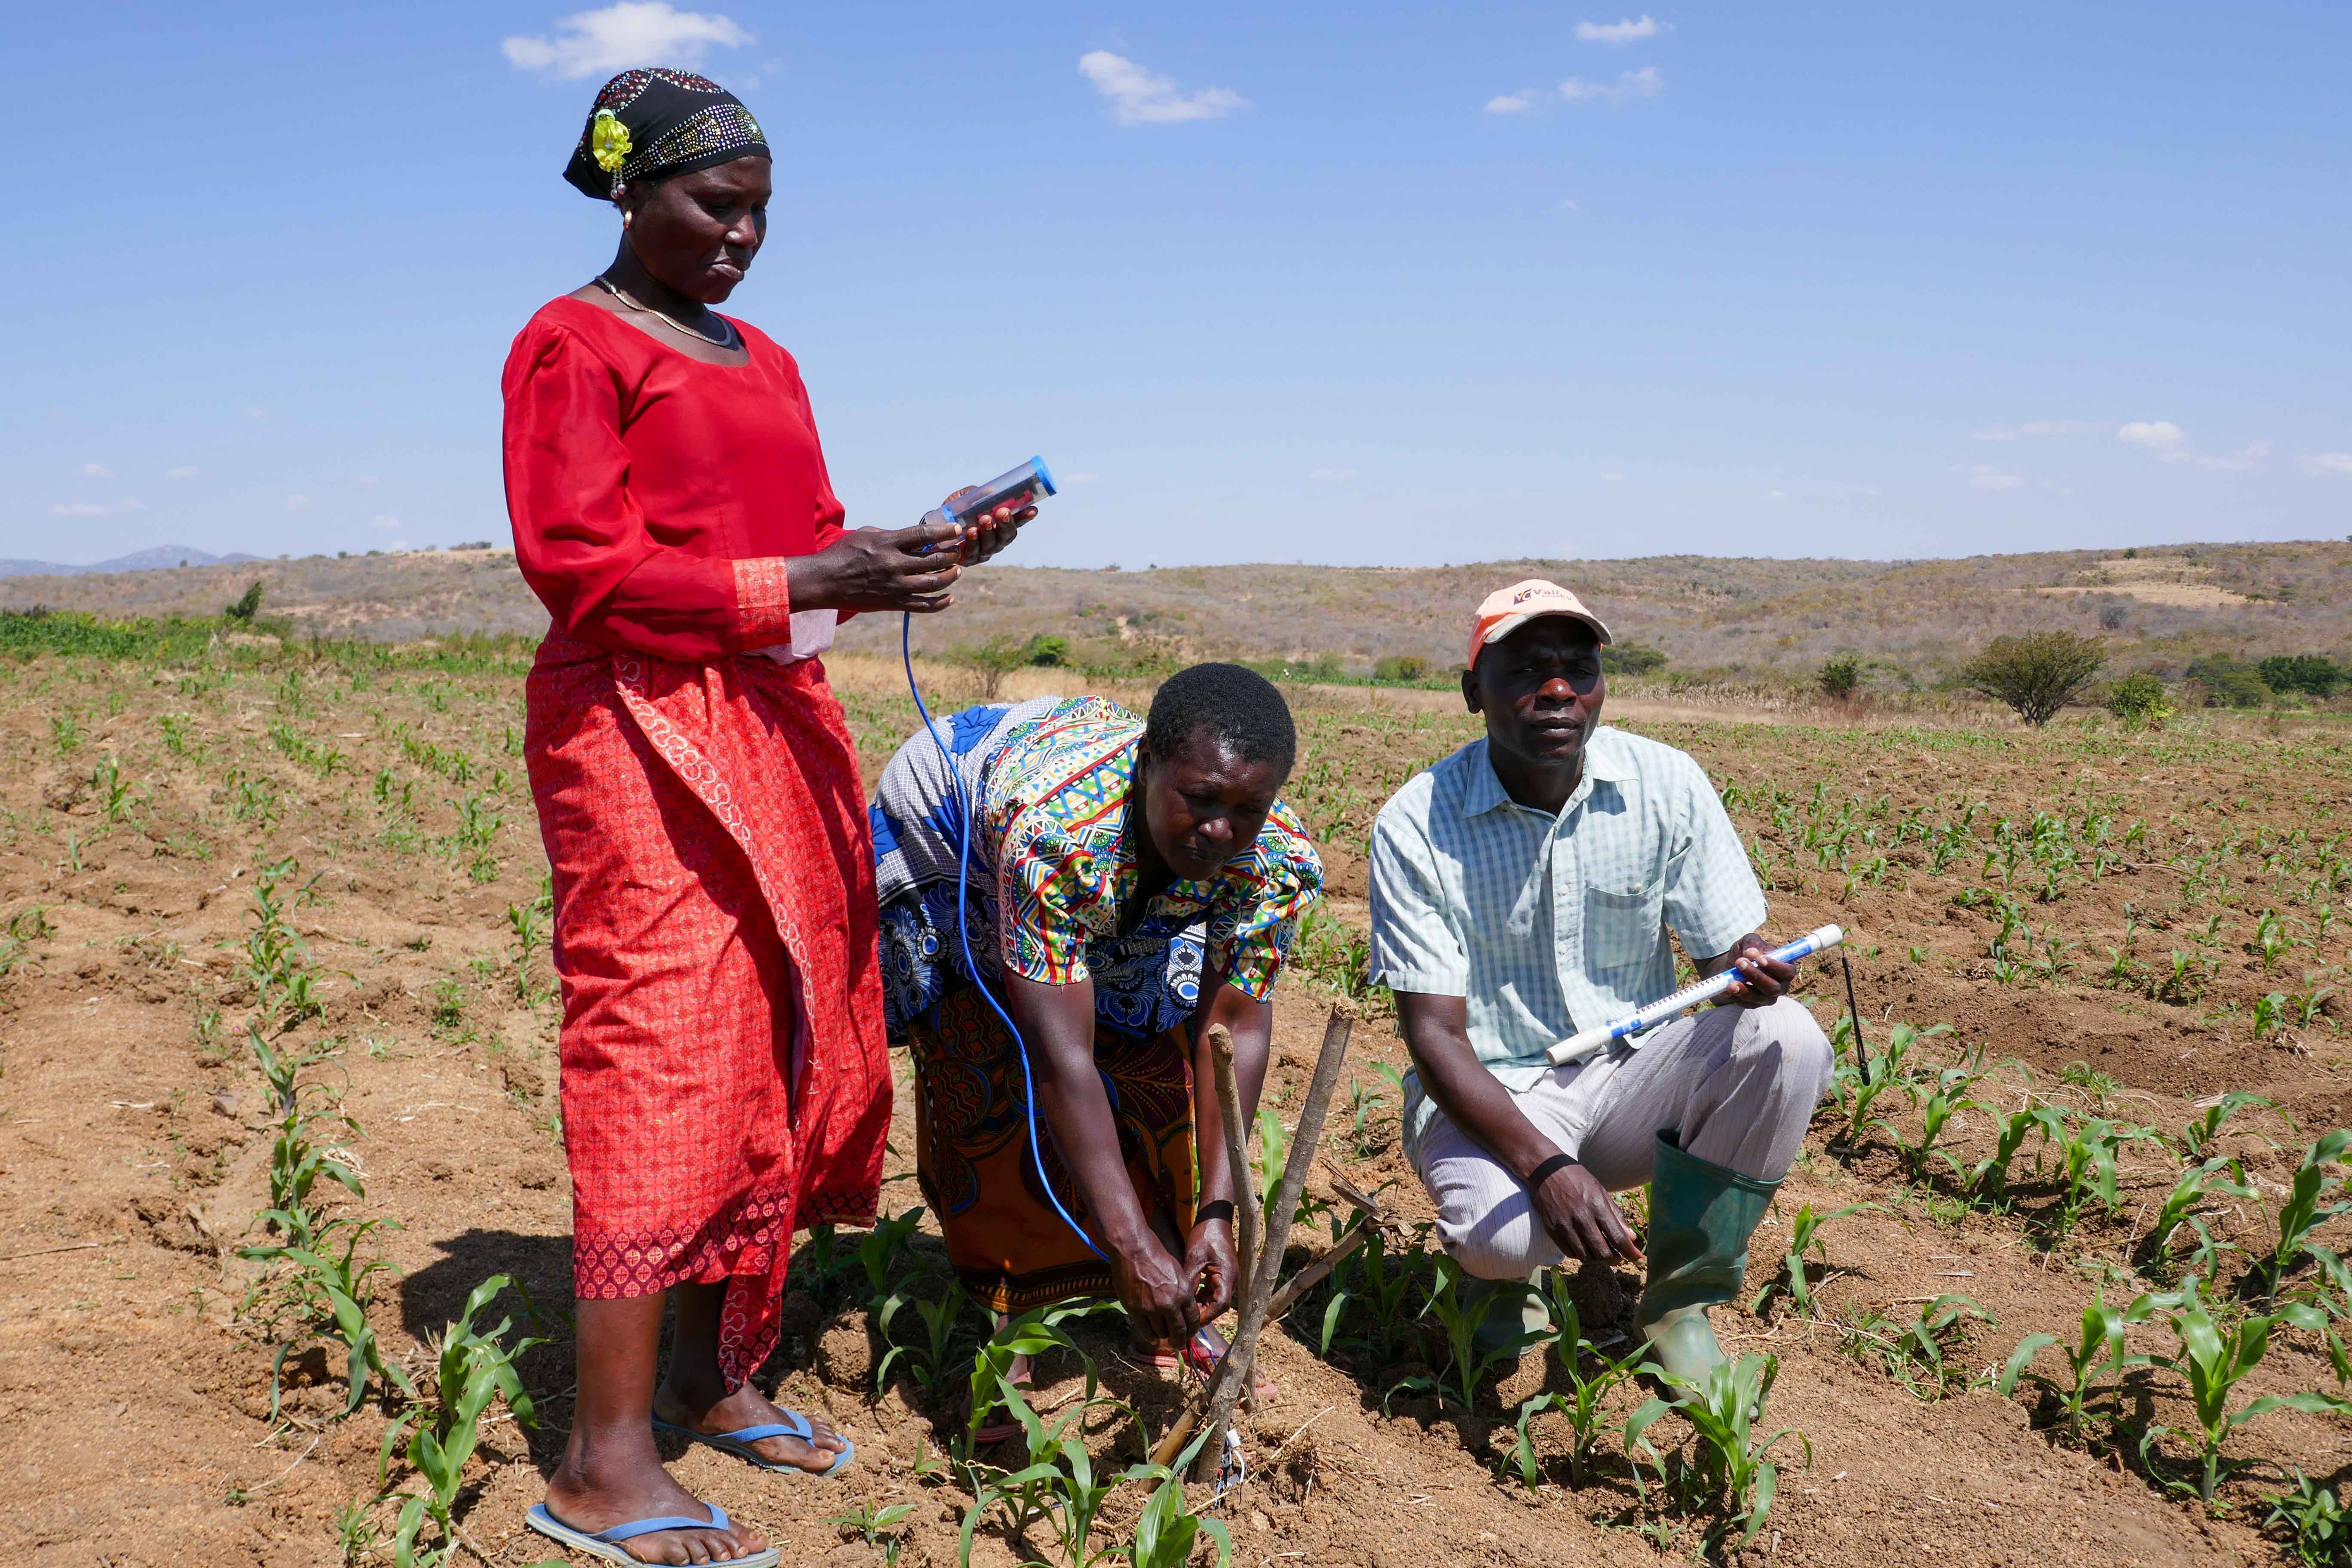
[[1763, 979]]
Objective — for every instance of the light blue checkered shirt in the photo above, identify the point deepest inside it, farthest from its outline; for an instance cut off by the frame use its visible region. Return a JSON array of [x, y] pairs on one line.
[[1550, 924]]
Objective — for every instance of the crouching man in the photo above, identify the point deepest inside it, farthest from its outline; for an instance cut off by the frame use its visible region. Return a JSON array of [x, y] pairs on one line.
[[1522, 890]]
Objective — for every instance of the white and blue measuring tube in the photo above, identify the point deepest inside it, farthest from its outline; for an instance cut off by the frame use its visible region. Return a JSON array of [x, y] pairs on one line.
[[1602, 1036], [1021, 487]]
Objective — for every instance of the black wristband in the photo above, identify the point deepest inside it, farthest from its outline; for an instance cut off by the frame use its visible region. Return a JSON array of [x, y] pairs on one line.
[[1549, 1169], [1220, 1208]]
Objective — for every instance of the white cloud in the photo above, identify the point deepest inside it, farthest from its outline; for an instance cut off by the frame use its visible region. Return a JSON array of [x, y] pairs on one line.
[[1517, 102], [1140, 98], [131, 503], [1623, 32], [296, 502], [385, 520], [1985, 476], [78, 509], [1570, 206], [2046, 427], [1612, 478], [2251, 456], [2156, 434], [366, 480], [1629, 85], [95, 472], [182, 473], [2326, 463], [633, 33], [1324, 476], [253, 413], [1778, 494]]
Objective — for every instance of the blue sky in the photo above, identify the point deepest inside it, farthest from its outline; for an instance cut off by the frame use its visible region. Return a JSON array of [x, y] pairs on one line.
[[1281, 283]]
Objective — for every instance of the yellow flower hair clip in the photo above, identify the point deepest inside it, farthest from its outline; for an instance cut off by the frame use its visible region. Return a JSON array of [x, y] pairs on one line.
[[608, 142]]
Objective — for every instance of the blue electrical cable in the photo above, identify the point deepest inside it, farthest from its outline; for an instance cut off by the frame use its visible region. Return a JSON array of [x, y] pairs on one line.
[[964, 929]]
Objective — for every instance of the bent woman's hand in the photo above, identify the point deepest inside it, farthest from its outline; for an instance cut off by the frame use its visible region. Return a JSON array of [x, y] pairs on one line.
[[1157, 1292], [879, 568], [1209, 1262]]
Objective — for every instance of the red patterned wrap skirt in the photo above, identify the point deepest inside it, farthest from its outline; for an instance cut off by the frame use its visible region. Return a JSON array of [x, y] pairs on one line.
[[725, 1081]]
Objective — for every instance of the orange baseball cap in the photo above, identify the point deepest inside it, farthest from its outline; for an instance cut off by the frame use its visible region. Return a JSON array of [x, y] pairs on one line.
[[1505, 610]]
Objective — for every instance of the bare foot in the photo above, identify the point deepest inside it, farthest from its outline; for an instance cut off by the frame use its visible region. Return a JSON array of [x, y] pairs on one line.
[[747, 1406], [608, 1493]]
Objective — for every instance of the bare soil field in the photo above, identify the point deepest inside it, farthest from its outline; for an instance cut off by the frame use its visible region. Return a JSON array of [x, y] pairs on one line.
[[2081, 936]]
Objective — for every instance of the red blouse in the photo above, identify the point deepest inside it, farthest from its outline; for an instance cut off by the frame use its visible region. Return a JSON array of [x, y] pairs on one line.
[[654, 496]]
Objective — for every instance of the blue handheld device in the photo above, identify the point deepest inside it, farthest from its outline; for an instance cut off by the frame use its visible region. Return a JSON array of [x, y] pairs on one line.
[[1016, 488]]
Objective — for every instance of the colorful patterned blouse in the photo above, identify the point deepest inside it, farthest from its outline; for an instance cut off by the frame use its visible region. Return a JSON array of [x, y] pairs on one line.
[[1051, 783]]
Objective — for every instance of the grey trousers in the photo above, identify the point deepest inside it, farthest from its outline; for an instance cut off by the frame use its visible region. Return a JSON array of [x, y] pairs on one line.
[[1738, 1085]]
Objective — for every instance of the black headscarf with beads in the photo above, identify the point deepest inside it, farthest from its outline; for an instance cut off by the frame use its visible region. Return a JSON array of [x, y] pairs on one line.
[[675, 123]]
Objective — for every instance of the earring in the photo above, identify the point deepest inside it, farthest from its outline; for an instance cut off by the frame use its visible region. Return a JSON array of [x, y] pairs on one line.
[[627, 218]]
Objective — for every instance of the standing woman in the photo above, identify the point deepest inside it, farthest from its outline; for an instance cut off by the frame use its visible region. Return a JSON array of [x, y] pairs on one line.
[[724, 1078]]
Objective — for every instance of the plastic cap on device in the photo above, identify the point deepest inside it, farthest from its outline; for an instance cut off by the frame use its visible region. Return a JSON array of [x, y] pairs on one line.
[[1505, 610]]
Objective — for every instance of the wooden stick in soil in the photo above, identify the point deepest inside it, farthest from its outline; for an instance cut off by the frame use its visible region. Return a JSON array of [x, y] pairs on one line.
[[1245, 1209], [1260, 1272]]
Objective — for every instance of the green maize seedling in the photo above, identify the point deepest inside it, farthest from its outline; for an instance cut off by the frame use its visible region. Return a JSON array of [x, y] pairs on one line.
[[1915, 1353], [2302, 1212], [1732, 1472], [1031, 1333], [879, 1249], [1991, 1174], [2213, 1361], [2088, 1156], [878, 1527], [2097, 1355], [928, 1356], [336, 1287], [2214, 1178], [1804, 1239], [2198, 1137], [1937, 1107], [1587, 1391], [1058, 1485], [1462, 1322], [472, 1367], [2317, 1525]]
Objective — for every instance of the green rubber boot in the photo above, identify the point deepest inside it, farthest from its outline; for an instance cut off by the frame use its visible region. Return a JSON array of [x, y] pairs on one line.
[[1701, 1217]]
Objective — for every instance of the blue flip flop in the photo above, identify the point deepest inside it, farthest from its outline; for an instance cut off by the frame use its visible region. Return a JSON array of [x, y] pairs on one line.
[[738, 1443], [605, 1544]]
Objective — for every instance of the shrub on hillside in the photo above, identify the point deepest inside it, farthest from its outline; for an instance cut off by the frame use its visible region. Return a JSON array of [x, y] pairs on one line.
[[1841, 677], [2313, 674], [246, 604], [1047, 651], [2138, 700], [2036, 674], [1632, 658], [1401, 667], [2230, 682]]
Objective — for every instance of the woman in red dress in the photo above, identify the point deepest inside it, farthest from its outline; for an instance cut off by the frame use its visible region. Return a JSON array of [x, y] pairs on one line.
[[724, 1078]]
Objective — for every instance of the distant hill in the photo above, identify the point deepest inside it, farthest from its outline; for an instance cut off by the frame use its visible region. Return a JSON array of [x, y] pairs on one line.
[[161, 558], [1912, 621]]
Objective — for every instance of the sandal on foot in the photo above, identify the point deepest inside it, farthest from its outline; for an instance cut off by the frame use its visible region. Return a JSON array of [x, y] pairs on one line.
[[738, 1443], [606, 1543], [1204, 1360]]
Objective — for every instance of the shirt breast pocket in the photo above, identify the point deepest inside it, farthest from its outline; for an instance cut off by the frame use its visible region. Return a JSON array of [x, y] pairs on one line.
[[1624, 929]]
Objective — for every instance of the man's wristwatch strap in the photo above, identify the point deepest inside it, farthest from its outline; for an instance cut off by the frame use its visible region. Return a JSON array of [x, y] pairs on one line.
[[1548, 1170]]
